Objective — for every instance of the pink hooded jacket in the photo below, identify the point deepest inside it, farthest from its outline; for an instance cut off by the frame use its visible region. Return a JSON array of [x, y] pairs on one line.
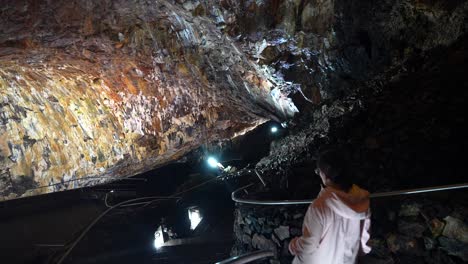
[[335, 228]]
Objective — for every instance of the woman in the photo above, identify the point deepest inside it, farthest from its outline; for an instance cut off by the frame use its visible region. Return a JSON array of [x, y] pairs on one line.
[[336, 225]]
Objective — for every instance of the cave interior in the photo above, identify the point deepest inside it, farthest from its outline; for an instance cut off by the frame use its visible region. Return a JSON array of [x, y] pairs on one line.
[[123, 121]]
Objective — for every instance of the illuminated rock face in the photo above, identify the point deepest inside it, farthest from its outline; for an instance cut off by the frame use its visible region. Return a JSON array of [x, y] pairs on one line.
[[95, 90]]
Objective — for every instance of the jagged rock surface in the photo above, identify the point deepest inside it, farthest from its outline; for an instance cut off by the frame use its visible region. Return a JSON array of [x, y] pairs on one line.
[[92, 91], [386, 80], [422, 230], [371, 75]]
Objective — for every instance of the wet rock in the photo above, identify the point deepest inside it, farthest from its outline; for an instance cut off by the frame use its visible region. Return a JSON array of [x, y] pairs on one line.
[[412, 209], [260, 242], [411, 228], [460, 212], [455, 228], [267, 230], [429, 243], [246, 239], [379, 248], [438, 257], [278, 243], [238, 217], [298, 216], [436, 226], [454, 247], [247, 230], [259, 228], [269, 54], [277, 221], [282, 232], [404, 245]]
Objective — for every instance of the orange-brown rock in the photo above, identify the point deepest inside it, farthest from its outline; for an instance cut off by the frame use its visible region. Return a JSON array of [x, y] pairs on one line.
[[91, 91]]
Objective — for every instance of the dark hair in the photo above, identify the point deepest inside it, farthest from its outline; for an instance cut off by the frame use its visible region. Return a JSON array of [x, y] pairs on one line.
[[335, 165]]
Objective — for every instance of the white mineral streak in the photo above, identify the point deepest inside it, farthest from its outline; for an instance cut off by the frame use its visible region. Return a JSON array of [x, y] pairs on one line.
[[138, 113]]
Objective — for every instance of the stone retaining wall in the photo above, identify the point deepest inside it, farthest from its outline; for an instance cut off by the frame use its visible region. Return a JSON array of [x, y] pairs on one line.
[[269, 227], [418, 229]]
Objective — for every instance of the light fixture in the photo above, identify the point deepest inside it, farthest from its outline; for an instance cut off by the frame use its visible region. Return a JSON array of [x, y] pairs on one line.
[[195, 217], [214, 163], [158, 238], [274, 129]]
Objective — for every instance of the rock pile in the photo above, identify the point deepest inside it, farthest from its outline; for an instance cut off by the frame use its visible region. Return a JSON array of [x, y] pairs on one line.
[[420, 230]]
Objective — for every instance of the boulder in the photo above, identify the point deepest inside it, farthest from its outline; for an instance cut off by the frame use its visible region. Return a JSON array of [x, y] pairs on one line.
[[282, 232]]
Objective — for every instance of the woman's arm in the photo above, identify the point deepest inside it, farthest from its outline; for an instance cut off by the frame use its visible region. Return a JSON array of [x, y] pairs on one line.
[[365, 226], [311, 233]]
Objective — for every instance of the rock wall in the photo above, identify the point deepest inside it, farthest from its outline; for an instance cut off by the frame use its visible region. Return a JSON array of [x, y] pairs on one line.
[[402, 131], [428, 229], [386, 81], [370, 76], [267, 228], [330, 46], [92, 91]]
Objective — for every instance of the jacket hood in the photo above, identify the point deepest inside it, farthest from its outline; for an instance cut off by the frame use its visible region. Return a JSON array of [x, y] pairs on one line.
[[353, 204]]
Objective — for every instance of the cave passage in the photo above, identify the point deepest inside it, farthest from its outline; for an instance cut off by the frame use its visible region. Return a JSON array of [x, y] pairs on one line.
[[126, 125]]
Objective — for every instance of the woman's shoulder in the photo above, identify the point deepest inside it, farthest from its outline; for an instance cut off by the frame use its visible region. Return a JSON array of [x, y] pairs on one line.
[[321, 201]]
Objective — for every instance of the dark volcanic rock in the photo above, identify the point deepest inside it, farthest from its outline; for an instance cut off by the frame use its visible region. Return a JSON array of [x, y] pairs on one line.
[[385, 80], [413, 228], [454, 247]]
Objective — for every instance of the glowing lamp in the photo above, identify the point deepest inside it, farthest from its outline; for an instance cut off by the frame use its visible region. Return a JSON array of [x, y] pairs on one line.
[[158, 238], [195, 217], [214, 163]]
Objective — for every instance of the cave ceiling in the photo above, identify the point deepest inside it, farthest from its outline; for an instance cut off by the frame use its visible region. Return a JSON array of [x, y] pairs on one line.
[[93, 91]]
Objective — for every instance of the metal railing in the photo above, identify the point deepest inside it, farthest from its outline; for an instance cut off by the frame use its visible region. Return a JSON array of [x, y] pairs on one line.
[[249, 257], [236, 199]]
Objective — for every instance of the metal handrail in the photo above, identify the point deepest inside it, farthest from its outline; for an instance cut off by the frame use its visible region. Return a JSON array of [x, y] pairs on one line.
[[249, 257], [373, 195]]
